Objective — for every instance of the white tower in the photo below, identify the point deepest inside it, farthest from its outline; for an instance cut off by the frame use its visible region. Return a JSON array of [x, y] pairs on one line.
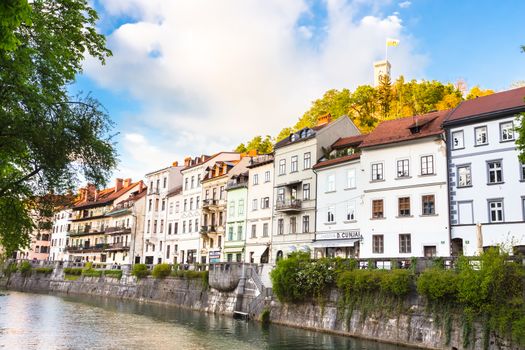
[[381, 68]]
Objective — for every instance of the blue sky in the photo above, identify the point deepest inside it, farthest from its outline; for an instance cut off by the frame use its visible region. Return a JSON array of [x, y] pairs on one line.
[[192, 77]]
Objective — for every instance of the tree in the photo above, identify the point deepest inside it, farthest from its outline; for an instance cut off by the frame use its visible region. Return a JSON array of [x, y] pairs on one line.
[[520, 141], [12, 14], [476, 92], [47, 137]]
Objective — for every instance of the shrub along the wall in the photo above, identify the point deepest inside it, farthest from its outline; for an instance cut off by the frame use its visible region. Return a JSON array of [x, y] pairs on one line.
[[113, 273], [438, 285], [25, 268], [140, 270], [161, 271], [74, 271], [44, 270]]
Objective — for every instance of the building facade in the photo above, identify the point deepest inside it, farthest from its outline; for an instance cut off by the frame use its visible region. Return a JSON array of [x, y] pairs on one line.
[[340, 213], [486, 179], [259, 209], [295, 183], [234, 246], [59, 238], [405, 189], [174, 199]]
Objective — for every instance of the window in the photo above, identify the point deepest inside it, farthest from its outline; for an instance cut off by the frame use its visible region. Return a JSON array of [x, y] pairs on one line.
[[307, 160], [429, 205], [185, 205], [254, 204], [481, 135], [255, 179], [506, 131], [405, 245], [402, 168], [199, 180], [404, 206], [231, 211], [293, 165], [306, 192], [184, 227], [330, 217], [171, 209], [176, 228], [165, 182], [241, 207], [177, 206], [377, 172], [196, 225], [427, 165], [495, 172], [267, 176], [157, 204], [464, 176], [161, 226], [293, 224], [350, 211], [239, 233], [155, 226], [377, 244], [186, 184], [265, 203], [457, 140], [330, 183], [496, 210], [191, 203], [230, 233], [197, 202], [280, 226], [193, 182], [190, 225], [429, 251], [163, 205], [280, 195], [265, 229], [221, 192], [149, 225], [282, 167], [377, 209], [350, 178], [207, 194], [150, 204], [306, 224], [214, 194], [522, 171], [254, 231]]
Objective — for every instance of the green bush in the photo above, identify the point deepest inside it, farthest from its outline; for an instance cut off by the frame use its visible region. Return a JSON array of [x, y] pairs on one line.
[[437, 284], [44, 270], [25, 268], [396, 282], [113, 273], [161, 271], [73, 271], [191, 274], [140, 270], [265, 316], [91, 272]]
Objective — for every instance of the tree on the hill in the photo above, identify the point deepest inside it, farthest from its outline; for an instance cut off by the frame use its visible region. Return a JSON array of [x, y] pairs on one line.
[[48, 137], [520, 141], [476, 92], [262, 146]]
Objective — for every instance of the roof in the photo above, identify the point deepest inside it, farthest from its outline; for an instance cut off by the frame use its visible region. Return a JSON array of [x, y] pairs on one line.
[[206, 158], [403, 129], [107, 195], [510, 101], [335, 161], [177, 190], [348, 141]]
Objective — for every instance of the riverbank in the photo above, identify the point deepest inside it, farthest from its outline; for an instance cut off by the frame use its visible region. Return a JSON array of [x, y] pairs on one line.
[[410, 324]]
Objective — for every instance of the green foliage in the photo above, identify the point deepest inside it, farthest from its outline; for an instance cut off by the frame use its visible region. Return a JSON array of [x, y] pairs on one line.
[[113, 273], [161, 271], [262, 146], [44, 270], [438, 284], [397, 282], [72, 271], [91, 272], [140, 270], [10, 269], [71, 277], [265, 316], [394, 282], [48, 137], [191, 274], [25, 268], [520, 141]]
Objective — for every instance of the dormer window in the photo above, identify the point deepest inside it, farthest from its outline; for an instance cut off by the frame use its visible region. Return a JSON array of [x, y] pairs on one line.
[[293, 137]]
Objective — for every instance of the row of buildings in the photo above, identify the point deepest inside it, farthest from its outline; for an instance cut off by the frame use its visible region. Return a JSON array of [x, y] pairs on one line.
[[440, 184]]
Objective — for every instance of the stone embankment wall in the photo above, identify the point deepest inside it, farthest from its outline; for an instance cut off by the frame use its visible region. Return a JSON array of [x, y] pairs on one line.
[[412, 325]]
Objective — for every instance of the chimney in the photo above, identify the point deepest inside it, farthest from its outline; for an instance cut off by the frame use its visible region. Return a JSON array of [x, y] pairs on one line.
[[127, 182], [187, 161], [175, 164], [83, 194], [90, 192], [141, 186], [118, 184], [324, 119]]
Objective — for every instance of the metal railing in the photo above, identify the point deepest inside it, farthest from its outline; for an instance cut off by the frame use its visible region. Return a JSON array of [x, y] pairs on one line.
[[293, 204]]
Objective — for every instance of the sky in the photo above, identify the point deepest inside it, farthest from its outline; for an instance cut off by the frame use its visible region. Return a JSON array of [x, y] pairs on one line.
[[195, 77]]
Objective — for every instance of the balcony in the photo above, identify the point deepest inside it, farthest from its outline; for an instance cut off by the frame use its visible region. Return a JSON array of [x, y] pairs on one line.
[[86, 231], [118, 230], [117, 246], [87, 248], [290, 206], [208, 229]]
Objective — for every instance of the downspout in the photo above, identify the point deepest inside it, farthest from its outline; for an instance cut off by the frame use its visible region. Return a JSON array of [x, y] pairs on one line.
[[449, 199], [315, 206]]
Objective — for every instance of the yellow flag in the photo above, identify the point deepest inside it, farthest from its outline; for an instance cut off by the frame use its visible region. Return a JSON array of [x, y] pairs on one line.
[[392, 42]]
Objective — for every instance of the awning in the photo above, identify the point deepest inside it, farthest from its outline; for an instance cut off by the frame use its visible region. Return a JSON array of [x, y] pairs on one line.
[[334, 243]]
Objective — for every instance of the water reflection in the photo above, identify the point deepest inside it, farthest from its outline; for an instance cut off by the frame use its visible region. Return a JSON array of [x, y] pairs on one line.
[[36, 321]]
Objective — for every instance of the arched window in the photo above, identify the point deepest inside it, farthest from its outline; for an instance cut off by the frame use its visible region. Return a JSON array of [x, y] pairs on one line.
[[279, 255]]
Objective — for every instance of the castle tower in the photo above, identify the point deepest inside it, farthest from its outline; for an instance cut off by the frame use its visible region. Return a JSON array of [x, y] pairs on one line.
[[381, 68]]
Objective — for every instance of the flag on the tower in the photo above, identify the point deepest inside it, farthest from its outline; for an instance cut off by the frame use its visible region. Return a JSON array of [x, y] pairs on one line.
[[392, 42]]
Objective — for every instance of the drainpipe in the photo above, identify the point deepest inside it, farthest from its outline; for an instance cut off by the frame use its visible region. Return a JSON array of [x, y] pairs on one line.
[[449, 199], [315, 215]]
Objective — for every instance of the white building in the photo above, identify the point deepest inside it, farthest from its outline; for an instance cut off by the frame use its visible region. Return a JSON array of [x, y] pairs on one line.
[[295, 183], [487, 181], [59, 238], [403, 165], [159, 183], [260, 206], [340, 213], [193, 173], [174, 198]]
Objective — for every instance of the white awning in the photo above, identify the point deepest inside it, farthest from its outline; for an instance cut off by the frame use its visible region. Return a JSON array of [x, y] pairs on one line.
[[334, 243]]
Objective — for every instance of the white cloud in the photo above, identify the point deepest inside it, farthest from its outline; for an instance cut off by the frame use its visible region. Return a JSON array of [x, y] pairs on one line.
[[211, 74], [405, 4]]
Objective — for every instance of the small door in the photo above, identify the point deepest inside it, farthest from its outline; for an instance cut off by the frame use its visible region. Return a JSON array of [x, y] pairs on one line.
[[430, 251]]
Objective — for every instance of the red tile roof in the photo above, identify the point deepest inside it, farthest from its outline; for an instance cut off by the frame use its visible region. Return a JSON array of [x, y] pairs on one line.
[[399, 130], [105, 196], [335, 161], [349, 141], [499, 102]]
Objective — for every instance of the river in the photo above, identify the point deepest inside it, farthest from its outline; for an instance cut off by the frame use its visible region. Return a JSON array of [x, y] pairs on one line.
[[40, 321]]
